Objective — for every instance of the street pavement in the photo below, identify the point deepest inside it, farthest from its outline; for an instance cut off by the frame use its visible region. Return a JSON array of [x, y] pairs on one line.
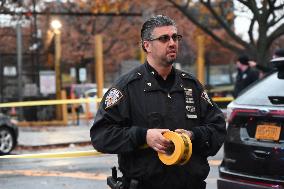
[[45, 136], [77, 137]]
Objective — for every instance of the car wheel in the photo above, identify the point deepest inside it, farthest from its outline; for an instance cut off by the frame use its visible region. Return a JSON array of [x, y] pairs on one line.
[[7, 141]]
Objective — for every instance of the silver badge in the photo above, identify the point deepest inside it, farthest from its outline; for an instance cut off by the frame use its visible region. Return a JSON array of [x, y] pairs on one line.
[[190, 116], [190, 109], [113, 96], [189, 100], [188, 92], [189, 104]]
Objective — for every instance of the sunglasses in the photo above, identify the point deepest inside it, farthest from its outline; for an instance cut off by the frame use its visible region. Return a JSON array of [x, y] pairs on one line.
[[166, 38]]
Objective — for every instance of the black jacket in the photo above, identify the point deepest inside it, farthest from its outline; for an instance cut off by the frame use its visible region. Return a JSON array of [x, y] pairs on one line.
[[244, 79], [135, 103]]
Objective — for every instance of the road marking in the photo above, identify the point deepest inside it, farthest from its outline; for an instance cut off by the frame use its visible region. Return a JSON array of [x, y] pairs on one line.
[[41, 173], [78, 174], [54, 155]]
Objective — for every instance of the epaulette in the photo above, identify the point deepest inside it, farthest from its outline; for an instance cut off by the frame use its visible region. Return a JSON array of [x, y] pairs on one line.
[[135, 75], [188, 76], [185, 75], [129, 77]]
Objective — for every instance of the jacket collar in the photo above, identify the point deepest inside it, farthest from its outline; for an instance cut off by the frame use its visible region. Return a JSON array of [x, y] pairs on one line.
[[151, 84]]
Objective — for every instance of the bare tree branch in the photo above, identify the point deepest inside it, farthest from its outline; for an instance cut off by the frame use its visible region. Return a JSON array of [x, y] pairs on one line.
[[279, 7], [220, 20], [250, 32], [205, 28], [105, 26], [277, 33]]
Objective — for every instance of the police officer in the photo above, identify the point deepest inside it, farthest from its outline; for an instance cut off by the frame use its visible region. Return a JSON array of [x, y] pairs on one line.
[[151, 99], [278, 53], [246, 74]]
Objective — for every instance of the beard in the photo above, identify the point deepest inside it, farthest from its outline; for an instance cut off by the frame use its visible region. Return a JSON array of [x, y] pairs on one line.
[[170, 61], [167, 61], [171, 56]]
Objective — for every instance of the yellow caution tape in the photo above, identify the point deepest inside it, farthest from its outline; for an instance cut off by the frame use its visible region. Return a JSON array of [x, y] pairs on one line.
[[181, 152], [49, 102], [54, 155], [77, 101], [222, 99], [187, 149]]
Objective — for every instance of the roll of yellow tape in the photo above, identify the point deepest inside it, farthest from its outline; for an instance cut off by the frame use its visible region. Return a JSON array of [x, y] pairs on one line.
[[187, 149], [181, 152]]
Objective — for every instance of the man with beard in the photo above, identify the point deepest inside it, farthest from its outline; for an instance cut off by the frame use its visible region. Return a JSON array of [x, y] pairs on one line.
[[147, 102]]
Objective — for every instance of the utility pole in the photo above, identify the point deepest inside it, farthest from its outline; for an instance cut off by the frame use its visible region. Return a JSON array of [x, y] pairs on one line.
[[200, 58], [35, 42], [56, 25], [99, 69], [19, 65]]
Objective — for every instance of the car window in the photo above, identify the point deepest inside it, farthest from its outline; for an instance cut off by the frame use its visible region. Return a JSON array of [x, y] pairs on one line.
[[80, 89], [258, 94], [91, 94]]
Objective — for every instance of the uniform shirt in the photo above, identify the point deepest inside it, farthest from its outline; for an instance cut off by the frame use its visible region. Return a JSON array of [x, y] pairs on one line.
[[137, 102], [165, 84]]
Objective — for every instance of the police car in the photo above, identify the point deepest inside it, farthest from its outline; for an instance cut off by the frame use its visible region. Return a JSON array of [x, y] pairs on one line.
[[254, 146], [8, 134]]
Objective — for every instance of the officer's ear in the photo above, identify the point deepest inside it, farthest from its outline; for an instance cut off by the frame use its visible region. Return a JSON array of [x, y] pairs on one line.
[[147, 46]]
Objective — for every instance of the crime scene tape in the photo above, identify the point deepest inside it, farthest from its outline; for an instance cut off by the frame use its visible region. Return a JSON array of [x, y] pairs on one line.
[[181, 151], [49, 102], [222, 99], [54, 155]]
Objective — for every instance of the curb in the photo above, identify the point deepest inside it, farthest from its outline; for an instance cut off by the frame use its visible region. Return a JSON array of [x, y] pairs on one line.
[[52, 146]]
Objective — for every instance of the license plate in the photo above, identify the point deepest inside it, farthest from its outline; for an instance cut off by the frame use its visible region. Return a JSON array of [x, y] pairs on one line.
[[268, 132]]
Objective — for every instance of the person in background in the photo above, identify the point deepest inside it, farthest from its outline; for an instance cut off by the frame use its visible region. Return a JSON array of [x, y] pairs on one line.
[[262, 71], [246, 74], [278, 53], [150, 100]]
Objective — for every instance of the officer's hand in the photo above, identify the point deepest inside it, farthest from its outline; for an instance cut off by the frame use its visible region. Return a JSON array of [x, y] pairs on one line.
[[157, 141], [188, 133]]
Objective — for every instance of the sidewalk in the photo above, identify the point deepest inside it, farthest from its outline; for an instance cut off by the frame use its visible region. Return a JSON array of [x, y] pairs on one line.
[[43, 136]]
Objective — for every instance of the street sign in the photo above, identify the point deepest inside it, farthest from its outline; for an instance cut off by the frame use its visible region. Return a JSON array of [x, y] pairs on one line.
[[9, 71], [82, 74], [47, 82]]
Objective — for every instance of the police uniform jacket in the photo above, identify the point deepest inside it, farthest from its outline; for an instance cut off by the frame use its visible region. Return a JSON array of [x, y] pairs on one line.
[[244, 79], [136, 103]]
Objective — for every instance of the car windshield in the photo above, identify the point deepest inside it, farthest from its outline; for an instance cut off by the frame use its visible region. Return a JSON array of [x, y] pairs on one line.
[[259, 93]]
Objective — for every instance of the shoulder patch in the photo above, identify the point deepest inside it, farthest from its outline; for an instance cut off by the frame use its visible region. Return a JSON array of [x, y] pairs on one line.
[[113, 96], [205, 96]]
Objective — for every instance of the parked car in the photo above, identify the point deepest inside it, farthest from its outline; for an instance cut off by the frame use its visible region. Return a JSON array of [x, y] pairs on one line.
[[254, 146], [92, 93], [79, 89], [8, 134], [75, 91]]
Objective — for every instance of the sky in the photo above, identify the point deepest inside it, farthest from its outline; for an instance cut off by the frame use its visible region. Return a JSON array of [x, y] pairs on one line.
[[242, 21]]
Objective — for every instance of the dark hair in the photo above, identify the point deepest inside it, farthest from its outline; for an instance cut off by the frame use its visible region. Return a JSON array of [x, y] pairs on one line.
[[152, 23], [243, 59], [279, 52]]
